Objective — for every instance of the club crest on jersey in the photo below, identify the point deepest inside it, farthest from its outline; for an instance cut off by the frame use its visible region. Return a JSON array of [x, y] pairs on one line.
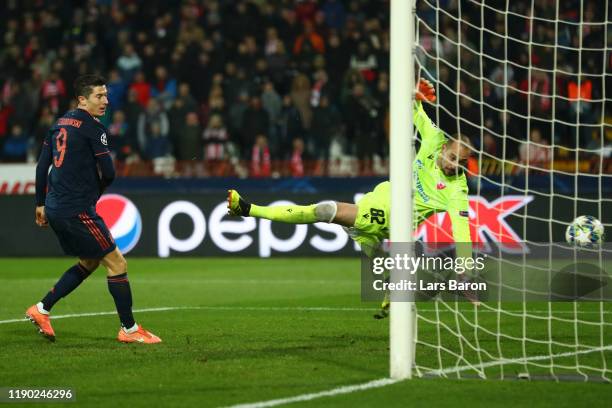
[[440, 185], [103, 139]]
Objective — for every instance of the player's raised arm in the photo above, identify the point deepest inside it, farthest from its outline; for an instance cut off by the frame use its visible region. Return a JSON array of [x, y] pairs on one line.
[[42, 173], [431, 136]]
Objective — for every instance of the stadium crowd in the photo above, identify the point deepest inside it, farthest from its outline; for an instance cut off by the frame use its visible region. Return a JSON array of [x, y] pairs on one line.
[[237, 87]]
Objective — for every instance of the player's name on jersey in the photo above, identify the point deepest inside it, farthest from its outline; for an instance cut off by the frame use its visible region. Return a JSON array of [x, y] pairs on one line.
[[69, 122]]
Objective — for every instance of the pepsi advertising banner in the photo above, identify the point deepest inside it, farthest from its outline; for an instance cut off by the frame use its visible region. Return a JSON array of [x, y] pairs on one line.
[[168, 225]]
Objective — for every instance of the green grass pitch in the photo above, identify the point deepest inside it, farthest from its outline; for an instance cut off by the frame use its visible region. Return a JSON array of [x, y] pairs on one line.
[[250, 330]]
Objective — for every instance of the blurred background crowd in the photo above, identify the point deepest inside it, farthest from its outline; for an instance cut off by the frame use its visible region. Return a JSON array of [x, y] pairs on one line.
[[284, 87]]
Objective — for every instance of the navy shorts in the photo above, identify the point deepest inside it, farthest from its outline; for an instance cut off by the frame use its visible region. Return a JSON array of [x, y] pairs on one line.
[[84, 235]]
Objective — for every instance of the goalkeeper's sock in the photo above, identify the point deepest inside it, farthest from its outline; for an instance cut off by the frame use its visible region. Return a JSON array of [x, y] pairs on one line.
[[69, 281], [119, 288], [291, 214]]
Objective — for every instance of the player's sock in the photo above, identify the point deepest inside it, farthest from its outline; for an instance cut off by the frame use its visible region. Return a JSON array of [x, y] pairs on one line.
[[291, 214], [66, 284], [132, 329], [119, 288]]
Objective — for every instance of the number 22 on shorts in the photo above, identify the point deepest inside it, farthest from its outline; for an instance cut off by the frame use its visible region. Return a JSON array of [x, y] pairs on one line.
[[377, 216]]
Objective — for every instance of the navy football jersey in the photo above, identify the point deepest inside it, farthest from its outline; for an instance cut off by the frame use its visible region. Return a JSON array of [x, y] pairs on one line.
[[76, 143]]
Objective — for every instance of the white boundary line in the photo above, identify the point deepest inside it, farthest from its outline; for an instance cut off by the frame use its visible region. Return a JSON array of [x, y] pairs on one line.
[[347, 389], [280, 309], [238, 308]]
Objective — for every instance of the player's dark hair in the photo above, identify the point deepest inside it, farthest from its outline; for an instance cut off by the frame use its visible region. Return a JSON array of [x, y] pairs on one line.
[[83, 85]]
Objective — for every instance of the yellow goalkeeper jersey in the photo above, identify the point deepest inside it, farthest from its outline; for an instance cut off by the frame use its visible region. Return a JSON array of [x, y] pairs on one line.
[[434, 190]]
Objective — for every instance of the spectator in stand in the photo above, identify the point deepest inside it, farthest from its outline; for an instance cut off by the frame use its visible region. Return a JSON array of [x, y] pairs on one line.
[[150, 61], [183, 104], [540, 93], [215, 103], [319, 87], [15, 147], [305, 10], [121, 144], [296, 165], [351, 78], [337, 56], [187, 144], [581, 109], [41, 130], [6, 112], [489, 145], [326, 123], [307, 45], [164, 88], [362, 117], [215, 138], [335, 14], [234, 82], [117, 89], [142, 89], [273, 105], [536, 152], [156, 144], [300, 97], [291, 126], [261, 163], [278, 63], [132, 110], [153, 131], [255, 124], [52, 92], [273, 42], [248, 52], [129, 63], [309, 42], [365, 62], [25, 108], [236, 119]]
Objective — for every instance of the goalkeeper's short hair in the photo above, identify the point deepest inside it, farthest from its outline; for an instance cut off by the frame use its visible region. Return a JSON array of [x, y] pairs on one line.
[[464, 140]]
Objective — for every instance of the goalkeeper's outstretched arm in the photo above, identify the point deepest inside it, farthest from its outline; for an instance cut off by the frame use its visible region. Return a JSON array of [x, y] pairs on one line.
[[431, 136]]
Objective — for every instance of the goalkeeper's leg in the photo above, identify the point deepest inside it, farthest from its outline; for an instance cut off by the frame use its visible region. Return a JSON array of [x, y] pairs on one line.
[[326, 211]]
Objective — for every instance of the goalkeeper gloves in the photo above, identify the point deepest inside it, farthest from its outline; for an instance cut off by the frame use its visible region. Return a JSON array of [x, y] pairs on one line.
[[425, 91]]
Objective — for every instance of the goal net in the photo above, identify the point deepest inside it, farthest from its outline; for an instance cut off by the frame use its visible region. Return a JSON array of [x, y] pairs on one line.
[[530, 82]]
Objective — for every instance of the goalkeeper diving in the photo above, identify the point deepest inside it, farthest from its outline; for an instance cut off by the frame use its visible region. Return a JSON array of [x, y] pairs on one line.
[[439, 180]]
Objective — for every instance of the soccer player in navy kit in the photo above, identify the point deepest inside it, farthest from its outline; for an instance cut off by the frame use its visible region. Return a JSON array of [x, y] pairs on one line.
[[76, 149]]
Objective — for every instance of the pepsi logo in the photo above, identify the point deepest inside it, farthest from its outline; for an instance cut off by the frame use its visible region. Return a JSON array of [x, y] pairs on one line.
[[122, 218]]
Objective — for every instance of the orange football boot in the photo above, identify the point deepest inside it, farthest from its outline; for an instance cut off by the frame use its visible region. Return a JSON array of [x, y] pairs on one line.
[[139, 336], [41, 321]]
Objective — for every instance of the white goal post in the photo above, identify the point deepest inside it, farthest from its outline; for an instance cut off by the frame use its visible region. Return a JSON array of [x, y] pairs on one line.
[[402, 81]]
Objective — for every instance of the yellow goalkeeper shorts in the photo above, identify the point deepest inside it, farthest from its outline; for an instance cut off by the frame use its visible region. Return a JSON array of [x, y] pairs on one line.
[[372, 223]]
